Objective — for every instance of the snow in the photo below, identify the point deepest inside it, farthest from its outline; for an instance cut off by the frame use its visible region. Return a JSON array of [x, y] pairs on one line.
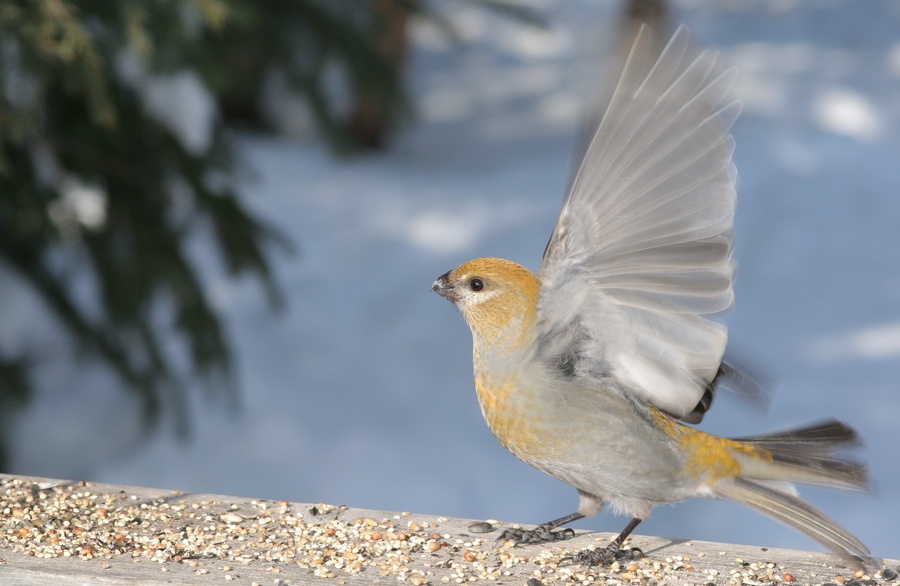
[[359, 391], [179, 101], [842, 111]]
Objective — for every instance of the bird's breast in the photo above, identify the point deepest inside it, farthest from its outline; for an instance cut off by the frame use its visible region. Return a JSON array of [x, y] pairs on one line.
[[529, 414], [510, 413], [577, 431]]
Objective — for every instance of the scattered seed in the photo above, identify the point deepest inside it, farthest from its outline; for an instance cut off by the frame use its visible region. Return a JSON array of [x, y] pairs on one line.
[[231, 518], [219, 537], [481, 527]]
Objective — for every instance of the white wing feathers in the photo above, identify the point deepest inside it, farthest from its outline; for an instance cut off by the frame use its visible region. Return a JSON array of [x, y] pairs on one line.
[[641, 253]]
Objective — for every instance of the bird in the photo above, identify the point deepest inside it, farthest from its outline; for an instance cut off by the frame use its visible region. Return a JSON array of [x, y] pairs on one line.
[[594, 370]]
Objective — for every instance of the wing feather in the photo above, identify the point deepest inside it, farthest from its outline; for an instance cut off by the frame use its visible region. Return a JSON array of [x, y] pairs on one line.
[[640, 258]]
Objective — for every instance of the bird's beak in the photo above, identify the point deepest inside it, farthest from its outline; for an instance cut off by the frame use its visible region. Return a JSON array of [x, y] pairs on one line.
[[442, 287]]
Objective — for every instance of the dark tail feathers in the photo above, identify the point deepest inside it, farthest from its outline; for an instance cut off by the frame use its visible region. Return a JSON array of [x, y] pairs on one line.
[[807, 456]]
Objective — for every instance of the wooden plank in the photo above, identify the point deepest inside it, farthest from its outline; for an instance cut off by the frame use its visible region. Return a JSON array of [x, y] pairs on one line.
[[60, 532]]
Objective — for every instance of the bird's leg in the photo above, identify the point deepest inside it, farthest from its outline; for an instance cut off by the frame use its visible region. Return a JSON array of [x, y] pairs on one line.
[[605, 555], [543, 533]]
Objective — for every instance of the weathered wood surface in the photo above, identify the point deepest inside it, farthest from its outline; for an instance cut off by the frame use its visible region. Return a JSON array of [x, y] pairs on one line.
[[69, 533]]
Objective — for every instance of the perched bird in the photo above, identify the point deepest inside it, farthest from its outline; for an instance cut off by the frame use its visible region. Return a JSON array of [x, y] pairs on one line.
[[588, 370]]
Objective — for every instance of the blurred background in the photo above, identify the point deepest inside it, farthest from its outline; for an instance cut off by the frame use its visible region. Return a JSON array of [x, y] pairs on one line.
[[219, 221]]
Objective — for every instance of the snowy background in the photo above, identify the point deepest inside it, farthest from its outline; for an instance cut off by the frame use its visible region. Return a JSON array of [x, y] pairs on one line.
[[359, 392]]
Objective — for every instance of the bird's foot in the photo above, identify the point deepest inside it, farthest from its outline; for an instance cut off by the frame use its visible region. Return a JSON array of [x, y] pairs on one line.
[[602, 555], [540, 534]]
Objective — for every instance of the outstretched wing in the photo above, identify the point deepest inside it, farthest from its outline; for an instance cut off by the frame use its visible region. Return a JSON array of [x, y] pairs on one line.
[[640, 257]]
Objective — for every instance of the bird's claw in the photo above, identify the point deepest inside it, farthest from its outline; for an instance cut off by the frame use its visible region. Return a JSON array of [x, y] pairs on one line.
[[540, 534], [602, 555]]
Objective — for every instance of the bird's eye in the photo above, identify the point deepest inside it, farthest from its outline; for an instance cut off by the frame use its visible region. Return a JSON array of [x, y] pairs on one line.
[[476, 284]]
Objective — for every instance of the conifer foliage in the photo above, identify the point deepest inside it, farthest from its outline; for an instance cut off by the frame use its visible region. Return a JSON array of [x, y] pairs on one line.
[[114, 156], [100, 191]]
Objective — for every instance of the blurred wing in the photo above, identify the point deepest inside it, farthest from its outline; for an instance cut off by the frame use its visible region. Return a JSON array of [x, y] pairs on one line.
[[641, 253]]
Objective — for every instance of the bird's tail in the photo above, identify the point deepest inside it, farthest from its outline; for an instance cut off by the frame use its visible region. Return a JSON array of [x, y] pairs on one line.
[[807, 456]]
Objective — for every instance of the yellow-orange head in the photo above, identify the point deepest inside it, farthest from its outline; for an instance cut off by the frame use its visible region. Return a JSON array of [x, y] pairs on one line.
[[497, 298]]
